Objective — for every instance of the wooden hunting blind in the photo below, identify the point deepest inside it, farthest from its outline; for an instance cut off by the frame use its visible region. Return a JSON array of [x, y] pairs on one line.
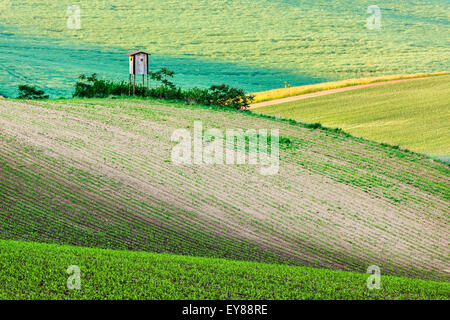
[[138, 64]]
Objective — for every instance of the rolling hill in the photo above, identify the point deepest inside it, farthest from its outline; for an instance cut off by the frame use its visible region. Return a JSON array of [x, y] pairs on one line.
[[361, 179], [98, 173], [413, 114]]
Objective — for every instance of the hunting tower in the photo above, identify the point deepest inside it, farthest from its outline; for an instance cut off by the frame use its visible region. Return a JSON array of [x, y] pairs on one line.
[[138, 64]]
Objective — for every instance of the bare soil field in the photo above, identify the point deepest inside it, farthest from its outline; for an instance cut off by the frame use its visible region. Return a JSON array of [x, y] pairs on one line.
[[101, 171]]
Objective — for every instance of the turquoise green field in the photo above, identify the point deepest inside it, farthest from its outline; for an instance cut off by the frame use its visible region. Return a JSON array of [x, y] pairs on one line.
[[414, 114], [255, 44], [45, 68]]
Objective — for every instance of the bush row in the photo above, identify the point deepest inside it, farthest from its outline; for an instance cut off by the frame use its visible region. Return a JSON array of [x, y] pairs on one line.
[[217, 95]]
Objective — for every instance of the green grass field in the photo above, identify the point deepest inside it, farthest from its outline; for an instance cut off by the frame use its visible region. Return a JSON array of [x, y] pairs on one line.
[[110, 274], [301, 42], [413, 114]]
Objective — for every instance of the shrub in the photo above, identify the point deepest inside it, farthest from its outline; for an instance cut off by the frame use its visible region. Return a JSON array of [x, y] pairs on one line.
[[197, 95], [31, 93], [225, 96], [162, 76], [164, 92], [92, 87], [316, 125]]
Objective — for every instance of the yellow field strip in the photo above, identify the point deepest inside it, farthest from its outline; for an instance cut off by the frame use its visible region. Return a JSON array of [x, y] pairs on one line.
[[276, 96]]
